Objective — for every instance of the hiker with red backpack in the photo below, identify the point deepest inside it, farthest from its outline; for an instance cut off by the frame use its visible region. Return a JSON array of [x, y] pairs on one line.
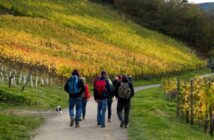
[[75, 87], [102, 90], [85, 98], [124, 93]]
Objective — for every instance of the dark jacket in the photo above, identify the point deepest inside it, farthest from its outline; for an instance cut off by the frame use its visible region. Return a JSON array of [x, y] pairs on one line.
[[130, 86], [111, 95], [108, 90], [115, 85], [81, 87]]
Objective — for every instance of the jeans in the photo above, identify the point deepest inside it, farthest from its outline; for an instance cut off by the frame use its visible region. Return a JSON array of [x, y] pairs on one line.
[[75, 102], [109, 103], [84, 103], [123, 104], [101, 109]]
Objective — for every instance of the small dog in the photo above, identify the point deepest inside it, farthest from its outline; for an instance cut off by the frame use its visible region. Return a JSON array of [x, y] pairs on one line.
[[59, 110]]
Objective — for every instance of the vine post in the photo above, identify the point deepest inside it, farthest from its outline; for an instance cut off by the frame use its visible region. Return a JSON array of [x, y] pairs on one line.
[[191, 104], [178, 97]]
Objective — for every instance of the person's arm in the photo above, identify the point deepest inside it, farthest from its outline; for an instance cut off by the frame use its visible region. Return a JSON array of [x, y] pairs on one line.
[[108, 87], [116, 89], [66, 86], [82, 87], [132, 89], [95, 93]]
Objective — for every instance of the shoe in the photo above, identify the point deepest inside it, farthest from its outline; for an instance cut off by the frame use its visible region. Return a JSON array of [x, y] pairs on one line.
[[80, 120], [103, 126], [121, 124], [77, 126], [71, 122], [109, 120], [126, 125], [98, 125]]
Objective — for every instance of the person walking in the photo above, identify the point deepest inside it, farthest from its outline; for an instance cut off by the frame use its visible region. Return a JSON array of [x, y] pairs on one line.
[[110, 99], [124, 93], [102, 90], [85, 98], [75, 87], [211, 64]]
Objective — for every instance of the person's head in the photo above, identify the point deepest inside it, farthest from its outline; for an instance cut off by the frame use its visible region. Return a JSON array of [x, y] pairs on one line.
[[124, 79], [119, 77], [75, 72], [84, 80], [103, 73], [130, 78], [116, 78]]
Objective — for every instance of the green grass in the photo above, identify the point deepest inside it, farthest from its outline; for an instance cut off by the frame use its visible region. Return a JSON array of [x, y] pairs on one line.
[[14, 127], [40, 98], [184, 75], [153, 118]]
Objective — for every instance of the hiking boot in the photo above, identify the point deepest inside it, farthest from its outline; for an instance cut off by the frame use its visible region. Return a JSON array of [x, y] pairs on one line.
[[121, 124], [71, 122]]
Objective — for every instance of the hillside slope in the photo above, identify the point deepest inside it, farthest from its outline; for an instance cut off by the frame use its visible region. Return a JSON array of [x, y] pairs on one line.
[[63, 35]]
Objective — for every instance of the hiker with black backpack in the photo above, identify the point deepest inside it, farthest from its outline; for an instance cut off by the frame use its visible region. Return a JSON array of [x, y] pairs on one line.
[[102, 90], [124, 93], [75, 87]]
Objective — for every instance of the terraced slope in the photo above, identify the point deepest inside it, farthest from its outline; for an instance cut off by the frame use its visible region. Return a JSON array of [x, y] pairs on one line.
[[63, 35]]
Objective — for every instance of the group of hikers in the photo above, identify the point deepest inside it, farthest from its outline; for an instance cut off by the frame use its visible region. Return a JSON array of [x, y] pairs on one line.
[[104, 90]]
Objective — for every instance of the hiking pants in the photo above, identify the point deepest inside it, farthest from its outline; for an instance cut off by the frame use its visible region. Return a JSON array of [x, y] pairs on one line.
[[84, 103], [123, 105], [75, 102], [101, 110], [109, 104]]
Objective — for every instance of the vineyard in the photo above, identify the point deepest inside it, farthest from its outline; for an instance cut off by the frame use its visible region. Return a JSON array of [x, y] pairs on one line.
[[60, 36], [194, 98]]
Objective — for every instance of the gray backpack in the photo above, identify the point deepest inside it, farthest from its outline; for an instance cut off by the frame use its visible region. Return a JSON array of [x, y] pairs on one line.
[[124, 91]]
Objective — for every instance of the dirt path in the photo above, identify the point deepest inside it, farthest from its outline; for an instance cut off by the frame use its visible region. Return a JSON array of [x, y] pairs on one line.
[[207, 75], [57, 127]]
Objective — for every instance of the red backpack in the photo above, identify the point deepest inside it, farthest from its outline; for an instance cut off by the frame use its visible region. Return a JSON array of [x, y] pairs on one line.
[[100, 87]]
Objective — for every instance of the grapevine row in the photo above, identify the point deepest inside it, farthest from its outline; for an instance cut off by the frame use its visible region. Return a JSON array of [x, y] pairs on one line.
[[194, 99]]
